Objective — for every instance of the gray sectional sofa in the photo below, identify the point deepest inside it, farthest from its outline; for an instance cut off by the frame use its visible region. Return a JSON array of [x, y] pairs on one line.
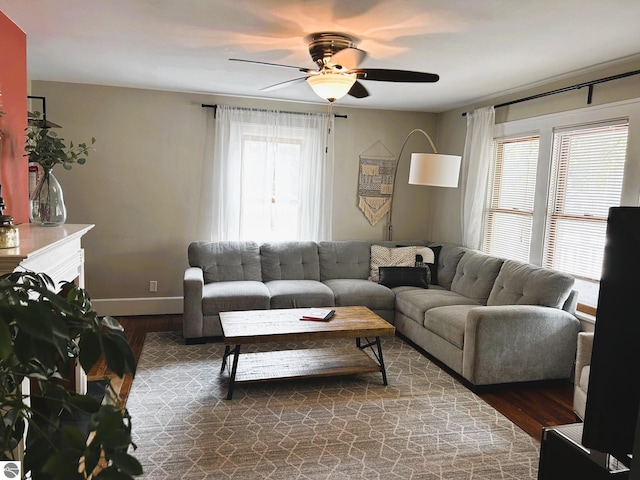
[[490, 320]]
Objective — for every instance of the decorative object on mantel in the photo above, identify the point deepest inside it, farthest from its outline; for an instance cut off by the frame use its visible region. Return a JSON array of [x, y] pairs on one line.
[[45, 148], [9, 235], [37, 119], [431, 169], [375, 182], [47, 201]]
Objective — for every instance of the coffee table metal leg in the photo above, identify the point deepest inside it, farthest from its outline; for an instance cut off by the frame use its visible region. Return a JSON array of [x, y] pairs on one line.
[[232, 377], [381, 361], [224, 357], [377, 354]]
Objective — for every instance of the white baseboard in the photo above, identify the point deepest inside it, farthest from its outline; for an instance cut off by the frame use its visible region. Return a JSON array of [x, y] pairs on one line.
[[137, 306]]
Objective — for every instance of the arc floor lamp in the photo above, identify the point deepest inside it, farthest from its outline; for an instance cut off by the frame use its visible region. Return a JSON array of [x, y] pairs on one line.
[[431, 169]]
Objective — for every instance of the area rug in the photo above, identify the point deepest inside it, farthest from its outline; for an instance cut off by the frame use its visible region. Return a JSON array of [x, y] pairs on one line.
[[424, 425]]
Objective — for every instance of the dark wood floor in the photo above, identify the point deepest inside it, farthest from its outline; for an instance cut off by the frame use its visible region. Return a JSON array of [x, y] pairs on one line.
[[531, 406]]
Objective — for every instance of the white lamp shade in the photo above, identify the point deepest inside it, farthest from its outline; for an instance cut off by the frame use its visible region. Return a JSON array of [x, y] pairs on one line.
[[331, 86], [434, 169]]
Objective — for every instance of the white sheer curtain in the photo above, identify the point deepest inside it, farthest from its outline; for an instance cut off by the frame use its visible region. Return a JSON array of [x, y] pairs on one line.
[[272, 175], [477, 156]]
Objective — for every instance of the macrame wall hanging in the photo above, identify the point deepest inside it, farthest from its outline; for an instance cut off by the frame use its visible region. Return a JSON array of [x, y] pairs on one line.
[[375, 182]]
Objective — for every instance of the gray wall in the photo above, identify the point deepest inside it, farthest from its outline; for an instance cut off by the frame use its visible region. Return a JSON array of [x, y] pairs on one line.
[[143, 186]]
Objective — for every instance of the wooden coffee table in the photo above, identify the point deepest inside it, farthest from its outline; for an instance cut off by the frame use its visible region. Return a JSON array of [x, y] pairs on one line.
[[284, 325]]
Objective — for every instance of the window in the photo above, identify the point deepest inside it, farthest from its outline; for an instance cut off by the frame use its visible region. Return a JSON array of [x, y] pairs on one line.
[[509, 212], [586, 179], [550, 190], [272, 175]]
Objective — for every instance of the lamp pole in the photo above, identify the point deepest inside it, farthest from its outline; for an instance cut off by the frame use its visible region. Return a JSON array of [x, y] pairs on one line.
[[395, 174]]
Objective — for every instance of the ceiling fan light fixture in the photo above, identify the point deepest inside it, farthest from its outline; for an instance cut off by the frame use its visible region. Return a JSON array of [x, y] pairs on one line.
[[331, 86]]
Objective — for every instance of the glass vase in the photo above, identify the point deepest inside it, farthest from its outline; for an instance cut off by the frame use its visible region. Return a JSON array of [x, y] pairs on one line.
[[47, 202]]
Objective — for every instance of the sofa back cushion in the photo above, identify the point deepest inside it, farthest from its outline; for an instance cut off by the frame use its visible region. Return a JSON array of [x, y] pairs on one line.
[[475, 275], [344, 259], [525, 284], [226, 261], [381, 256], [290, 261], [448, 259]]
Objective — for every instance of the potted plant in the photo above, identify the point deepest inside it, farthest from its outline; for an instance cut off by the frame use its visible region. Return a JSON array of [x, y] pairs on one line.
[[47, 149], [42, 335]]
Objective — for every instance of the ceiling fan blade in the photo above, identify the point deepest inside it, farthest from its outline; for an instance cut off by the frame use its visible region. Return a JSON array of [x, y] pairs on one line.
[[358, 91], [286, 83], [301, 69], [385, 75], [348, 58]]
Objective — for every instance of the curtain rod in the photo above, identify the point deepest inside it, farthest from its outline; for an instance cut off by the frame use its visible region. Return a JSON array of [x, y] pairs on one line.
[[215, 109], [577, 86]]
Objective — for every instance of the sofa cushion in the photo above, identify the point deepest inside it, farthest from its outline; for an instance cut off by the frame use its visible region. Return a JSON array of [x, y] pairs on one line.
[[428, 256], [525, 284], [299, 294], [390, 257], [344, 259], [290, 261], [425, 255], [414, 303], [448, 322], [475, 275], [226, 261], [233, 296], [351, 291], [404, 276], [432, 265], [448, 259]]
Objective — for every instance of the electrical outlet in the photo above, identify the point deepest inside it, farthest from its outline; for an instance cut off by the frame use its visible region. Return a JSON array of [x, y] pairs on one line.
[[153, 286]]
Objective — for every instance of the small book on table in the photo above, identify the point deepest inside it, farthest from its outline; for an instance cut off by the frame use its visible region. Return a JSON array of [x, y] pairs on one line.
[[318, 314]]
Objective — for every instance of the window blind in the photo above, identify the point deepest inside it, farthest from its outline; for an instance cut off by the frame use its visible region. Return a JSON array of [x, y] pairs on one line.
[[587, 174], [509, 212]]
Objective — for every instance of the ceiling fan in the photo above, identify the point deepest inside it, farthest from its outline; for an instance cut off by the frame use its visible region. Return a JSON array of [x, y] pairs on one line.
[[337, 75]]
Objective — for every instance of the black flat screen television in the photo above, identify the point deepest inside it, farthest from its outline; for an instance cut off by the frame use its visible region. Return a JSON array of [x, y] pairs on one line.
[[613, 395]]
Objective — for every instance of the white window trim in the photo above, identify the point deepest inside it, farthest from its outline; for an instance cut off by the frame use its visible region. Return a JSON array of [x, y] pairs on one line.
[[544, 125]]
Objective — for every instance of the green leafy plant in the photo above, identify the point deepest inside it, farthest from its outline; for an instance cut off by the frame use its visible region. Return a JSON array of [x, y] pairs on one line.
[[42, 335], [46, 148]]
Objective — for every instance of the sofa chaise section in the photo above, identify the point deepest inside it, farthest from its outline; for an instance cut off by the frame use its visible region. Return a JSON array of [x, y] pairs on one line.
[[509, 324]]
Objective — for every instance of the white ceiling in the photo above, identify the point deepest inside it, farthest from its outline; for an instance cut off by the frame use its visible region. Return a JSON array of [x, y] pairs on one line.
[[479, 48]]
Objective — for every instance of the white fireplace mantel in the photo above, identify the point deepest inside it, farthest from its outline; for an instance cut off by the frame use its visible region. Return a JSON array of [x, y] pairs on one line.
[[56, 251]]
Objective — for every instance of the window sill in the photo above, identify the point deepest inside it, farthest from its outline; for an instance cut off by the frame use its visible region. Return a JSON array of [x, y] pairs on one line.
[[585, 317]]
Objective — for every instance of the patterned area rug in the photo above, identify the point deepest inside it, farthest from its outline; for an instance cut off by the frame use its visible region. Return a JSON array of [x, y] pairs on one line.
[[423, 425]]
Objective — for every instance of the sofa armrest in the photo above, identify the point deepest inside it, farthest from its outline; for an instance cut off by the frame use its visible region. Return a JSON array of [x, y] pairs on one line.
[[516, 343], [192, 318], [583, 354]]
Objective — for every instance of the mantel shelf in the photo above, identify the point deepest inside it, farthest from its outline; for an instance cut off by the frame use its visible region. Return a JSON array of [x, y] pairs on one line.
[[41, 244]]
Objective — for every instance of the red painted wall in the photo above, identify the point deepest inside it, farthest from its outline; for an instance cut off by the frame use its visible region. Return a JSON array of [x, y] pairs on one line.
[[13, 86]]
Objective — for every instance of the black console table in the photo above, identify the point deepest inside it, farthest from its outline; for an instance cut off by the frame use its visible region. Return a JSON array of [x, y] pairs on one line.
[[562, 456]]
